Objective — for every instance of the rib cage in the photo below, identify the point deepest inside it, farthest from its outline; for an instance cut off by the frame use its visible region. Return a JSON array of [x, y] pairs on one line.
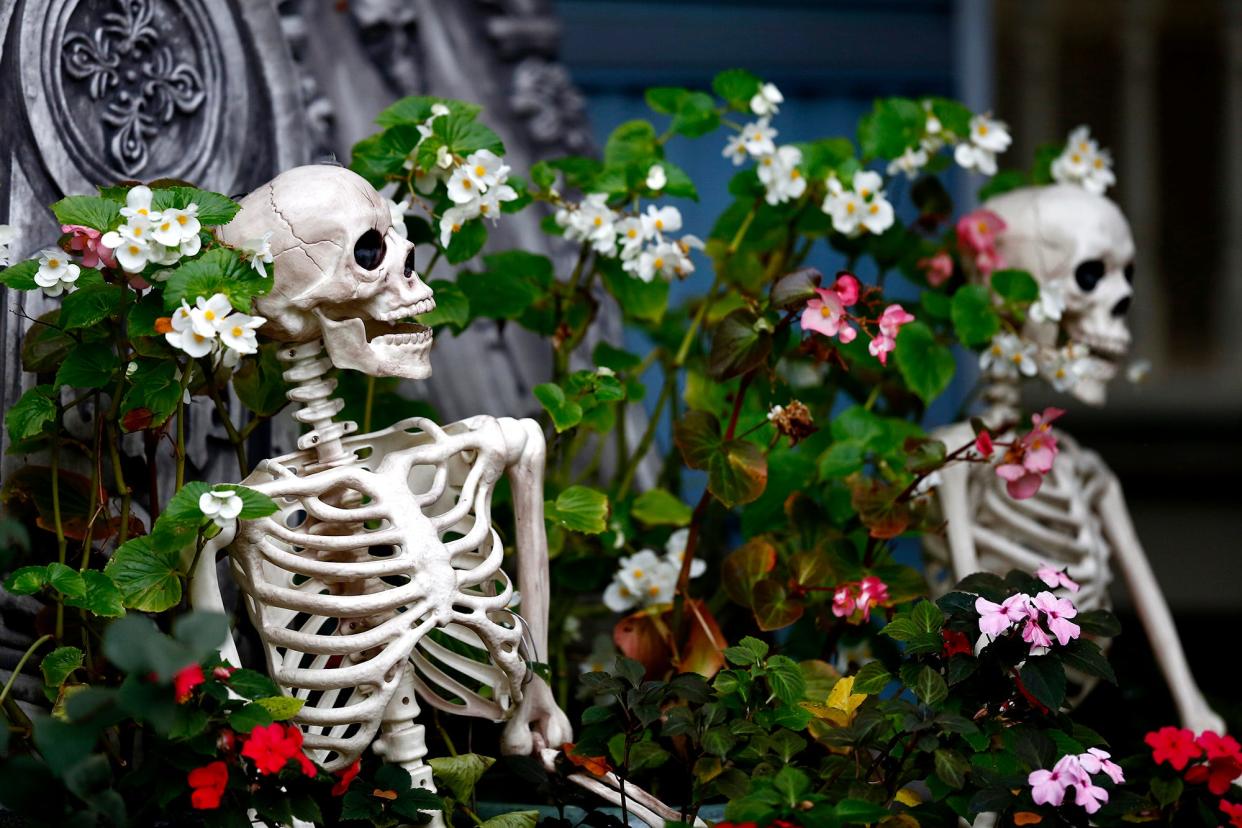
[[346, 583]]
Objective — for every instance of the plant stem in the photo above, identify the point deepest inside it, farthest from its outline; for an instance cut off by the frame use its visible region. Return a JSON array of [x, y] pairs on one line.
[[181, 412], [8, 685], [686, 341], [369, 405], [644, 444], [60, 529], [239, 444]]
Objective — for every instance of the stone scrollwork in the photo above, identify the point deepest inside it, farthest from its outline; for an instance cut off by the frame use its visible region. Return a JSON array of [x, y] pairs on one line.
[[555, 111]]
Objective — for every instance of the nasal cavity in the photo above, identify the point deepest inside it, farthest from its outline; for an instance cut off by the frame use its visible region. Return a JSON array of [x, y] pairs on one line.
[[1122, 308], [409, 265]]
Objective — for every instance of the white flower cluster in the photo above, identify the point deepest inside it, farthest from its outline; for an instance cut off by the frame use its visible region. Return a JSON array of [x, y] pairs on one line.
[[213, 325], [221, 505], [987, 138], [646, 579], [1082, 162], [777, 166], [643, 242], [56, 274], [915, 158], [863, 208], [7, 236], [149, 236], [1010, 356]]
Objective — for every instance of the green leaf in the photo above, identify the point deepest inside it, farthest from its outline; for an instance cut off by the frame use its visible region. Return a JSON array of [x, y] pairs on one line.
[[660, 507], [26, 581], [464, 135], [773, 607], [841, 459], [860, 811], [952, 768], [102, 597], [255, 504], [737, 470], [379, 156], [219, 270], [45, 346], [89, 305], [154, 390], [696, 115], [497, 294], [201, 632], [252, 684], [633, 142], [872, 678], [745, 567], [736, 87], [929, 686], [280, 708], [1044, 678], [1166, 791], [1086, 656], [565, 413], [748, 651], [214, 209], [643, 301], [247, 718], [665, 99], [893, 125], [927, 617], [259, 381], [580, 509], [467, 242], [452, 307], [785, 678], [514, 819], [1098, 622], [1015, 286], [88, 366], [461, 773], [181, 519], [925, 365], [66, 580], [973, 318], [149, 580], [792, 783], [31, 414], [417, 109], [740, 342], [58, 664], [101, 214], [21, 275], [616, 359]]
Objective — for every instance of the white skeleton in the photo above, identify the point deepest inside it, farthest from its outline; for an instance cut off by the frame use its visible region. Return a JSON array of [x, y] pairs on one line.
[[379, 581], [1081, 243]]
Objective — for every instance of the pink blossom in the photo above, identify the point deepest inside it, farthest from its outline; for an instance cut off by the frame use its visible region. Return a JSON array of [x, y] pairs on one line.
[[1048, 786], [1054, 578], [983, 444], [976, 237], [1034, 635], [994, 619], [937, 269], [842, 602], [1029, 458], [881, 346], [890, 323], [859, 596], [847, 288], [85, 240], [826, 315], [1058, 611], [1090, 797], [1020, 483], [1096, 760]]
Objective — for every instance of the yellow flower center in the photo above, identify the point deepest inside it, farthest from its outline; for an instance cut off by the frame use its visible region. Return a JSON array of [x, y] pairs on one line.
[[1017, 358], [658, 263], [53, 263], [209, 315], [599, 220], [767, 162], [137, 231], [983, 129], [182, 219], [632, 233], [849, 208], [1076, 158], [480, 170], [659, 224], [638, 573], [983, 226], [135, 249], [456, 227], [653, 590], [1099, 163], [795, 173], [997, 350], [483, 208], [873, 209], [865, 193], [825, 312], [237, 331], [467, 183], [142, 211]]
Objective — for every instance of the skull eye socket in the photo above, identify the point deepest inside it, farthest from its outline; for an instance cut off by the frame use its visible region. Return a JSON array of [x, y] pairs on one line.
[[369, 250], [1089, 273], [409, 264], [1129, 272]]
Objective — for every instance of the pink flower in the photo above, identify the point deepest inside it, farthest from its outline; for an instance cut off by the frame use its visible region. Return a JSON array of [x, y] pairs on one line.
[[1054, 578], [842, 602], [983, 444], [1096, 760], [1058, 611], [1029, 458], [1048, 786], [976, 237], [1090, 797], [891, 320], [847, 288], [859, 596], [85, 240], [826, 315], [1034, 635], [1020, 483], [994, 619], [937, 269]]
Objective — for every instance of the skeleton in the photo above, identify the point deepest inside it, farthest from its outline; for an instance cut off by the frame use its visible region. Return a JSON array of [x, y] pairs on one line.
[[1067, 237], [378, 583]]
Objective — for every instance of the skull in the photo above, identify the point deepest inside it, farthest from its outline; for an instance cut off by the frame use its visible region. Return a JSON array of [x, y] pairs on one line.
[[340, 271], [1081, 243]]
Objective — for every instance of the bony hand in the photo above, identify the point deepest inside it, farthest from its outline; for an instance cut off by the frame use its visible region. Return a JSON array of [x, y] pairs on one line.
[[537, 723]]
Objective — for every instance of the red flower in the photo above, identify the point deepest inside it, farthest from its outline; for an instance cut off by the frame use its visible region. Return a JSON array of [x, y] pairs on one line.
[[345, 777], [955, 642], [1234, 812], [186, 680], [272, 746], [1224, 762], [1173, 745], [208, 783], [983, 444]]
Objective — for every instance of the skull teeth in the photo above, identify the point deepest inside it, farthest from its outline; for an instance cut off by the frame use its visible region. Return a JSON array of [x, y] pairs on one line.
[[1106, 345], [417, 309], [418, 338]]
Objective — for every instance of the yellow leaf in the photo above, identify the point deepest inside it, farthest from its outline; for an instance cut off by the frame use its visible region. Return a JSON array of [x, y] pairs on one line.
[[909, 798], [844, 698]]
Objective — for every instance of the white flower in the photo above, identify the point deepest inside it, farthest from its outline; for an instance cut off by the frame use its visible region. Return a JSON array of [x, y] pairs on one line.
[[864, 208], [932, 139], [987, 138], [1064, 367], [454, 218], [489, 202], [1050, 304], [486, 169], [657, 179], [1138, 370], [758, 138], [396, 212], [1008, 356], [56, 273], [592, 221], [767, 100], [659, 259], [131, 243], [187, 339], [238, 332], [660, 220], [632, 235], [221, 505], [735, 149], [1083, 162], [259, 252], [209, 315], [138, 205], [603, 654], [176, 226], [675, 551], [909, 162], [7, 236], [131, 368], [780, 175]]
